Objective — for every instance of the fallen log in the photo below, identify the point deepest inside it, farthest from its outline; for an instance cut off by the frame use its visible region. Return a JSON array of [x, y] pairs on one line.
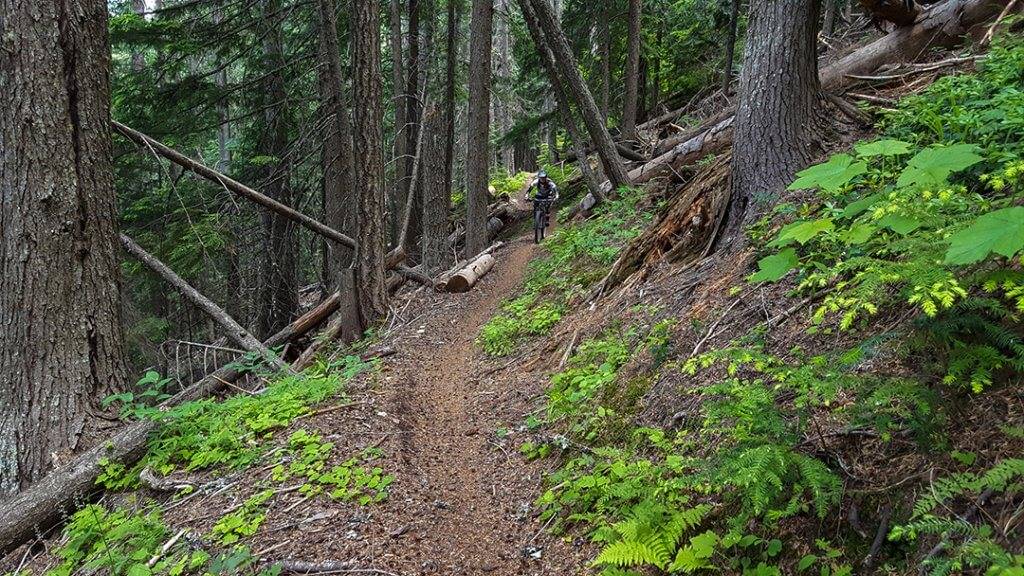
[[59, 493], [233, 330], [466, 278], [394, 259], [505, 214], [442, 279], [942, 25]]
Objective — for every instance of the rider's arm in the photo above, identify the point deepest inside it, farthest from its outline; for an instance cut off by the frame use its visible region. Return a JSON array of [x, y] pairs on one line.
[[532, 187], [554, 189]]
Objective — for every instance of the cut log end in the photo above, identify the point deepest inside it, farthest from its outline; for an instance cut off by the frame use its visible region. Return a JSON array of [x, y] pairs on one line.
[[465, 279]]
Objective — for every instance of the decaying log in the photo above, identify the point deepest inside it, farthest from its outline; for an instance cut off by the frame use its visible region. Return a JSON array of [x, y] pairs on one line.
[[51, 499], [685, 230], [503, 215], [233, 330], [466, 278], [442, 279]]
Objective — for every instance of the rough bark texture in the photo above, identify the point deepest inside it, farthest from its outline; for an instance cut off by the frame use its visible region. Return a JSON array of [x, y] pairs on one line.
[[478, 129], [53, 498], [775, 132], [605, 41], [414, 93], [399, 101], [279, 286], [371, 283], [629, 107], [436, 192], [61, 339], [570, 75], [338, 189]]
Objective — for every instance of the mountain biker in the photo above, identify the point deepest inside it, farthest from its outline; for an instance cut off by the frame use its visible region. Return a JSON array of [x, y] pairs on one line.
[[546, 189]]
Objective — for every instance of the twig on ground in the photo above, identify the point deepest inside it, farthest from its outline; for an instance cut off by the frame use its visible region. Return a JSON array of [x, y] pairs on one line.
[[167, 546], [883, 529], [992, 29]]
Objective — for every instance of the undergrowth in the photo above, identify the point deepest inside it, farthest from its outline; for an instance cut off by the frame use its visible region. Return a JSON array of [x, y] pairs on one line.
[[912, 247], [577, 255]]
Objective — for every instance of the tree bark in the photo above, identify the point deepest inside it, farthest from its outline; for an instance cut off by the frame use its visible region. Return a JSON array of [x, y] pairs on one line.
[[399, 100], [371, 282], [412, 112], [338, 189], [478, 129], [61, 338], [570, 75], [629, 107], [606, 64], [232, 329], [730, 46], [436, 199], [52, 499], [777, 124], [279, 286], [466, 278], [828, 24]]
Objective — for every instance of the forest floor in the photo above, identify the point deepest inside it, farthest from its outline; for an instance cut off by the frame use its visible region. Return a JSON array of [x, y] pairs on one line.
[[445, 420]]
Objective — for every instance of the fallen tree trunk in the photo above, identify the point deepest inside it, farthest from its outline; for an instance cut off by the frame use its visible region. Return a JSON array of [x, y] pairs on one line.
[[54, 497], [393, 260], [627, 153], [502, 216], [233, 330], [466, 278]]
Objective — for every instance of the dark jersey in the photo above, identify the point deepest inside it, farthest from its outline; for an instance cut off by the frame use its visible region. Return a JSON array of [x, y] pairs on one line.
[[545, 191]]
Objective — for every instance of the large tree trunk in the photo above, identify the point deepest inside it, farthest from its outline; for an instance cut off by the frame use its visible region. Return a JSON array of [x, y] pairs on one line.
[[413, 110], [338, 189], [629, 106], [279, 286], [478, 130], [436, 198], [61, 339], [605, 41], [368, 152], [399, 99], [570, 75], [776, 131], [52, 499]]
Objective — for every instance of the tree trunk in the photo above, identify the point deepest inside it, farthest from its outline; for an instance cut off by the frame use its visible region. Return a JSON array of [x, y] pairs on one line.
[[52, 499], [828, 25], [606, 65], [570, 75], [629, 106], [338, 190], [436, 199], [449, 93], [61, 341], [279, 286], [776, 129], [368, 153], [730, 46], [399, 99], [478, 130], [548, 61]]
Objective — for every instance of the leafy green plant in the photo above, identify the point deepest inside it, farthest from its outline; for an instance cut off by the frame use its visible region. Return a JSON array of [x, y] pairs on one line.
[[243, 522], [308, 455]]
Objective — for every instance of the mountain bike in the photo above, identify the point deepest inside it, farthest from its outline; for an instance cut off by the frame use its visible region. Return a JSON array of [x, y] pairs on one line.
[[541, 208]]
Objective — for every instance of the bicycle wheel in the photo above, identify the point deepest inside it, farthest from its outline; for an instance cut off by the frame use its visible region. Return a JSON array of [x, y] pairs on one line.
[[538, 226]]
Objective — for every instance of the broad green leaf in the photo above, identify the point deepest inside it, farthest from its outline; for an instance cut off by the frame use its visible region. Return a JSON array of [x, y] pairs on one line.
[[774, 267], [859, 206], [802, 231], [830, 176], [885, 147], [899, 224], [858, 233], [806, 562], [932, 166], [1001, 231]]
